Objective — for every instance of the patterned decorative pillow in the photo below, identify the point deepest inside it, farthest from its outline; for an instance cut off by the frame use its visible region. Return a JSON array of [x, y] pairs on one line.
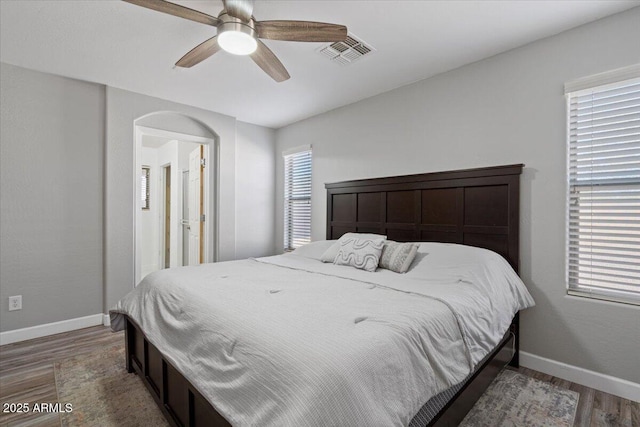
[[360, 253], [398, 256], [330, 254]]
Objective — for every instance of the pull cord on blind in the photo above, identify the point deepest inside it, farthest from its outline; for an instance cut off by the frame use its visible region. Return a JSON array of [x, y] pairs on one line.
[[297, 199], [603, 212]]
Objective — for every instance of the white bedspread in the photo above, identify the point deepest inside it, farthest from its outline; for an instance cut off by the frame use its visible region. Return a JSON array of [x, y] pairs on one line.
[[289, 341]]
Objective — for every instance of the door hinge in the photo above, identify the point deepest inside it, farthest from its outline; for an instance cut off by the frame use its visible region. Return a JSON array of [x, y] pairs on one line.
[[202, 217], [203, 162]]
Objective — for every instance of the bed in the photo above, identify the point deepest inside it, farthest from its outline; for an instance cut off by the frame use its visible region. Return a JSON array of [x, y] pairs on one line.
[[318, 362]]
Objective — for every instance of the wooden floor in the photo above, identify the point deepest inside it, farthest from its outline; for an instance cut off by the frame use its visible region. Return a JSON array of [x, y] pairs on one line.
[[26, 375], [26, 370]]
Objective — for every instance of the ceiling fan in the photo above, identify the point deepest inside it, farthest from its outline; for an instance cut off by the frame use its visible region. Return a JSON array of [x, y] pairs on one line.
[[239, 33]]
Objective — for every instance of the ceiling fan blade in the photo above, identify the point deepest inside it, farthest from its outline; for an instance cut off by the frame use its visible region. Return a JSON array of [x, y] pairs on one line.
[[269, 63], [176, 10], [199, 53], [301, 31], [241, 9]]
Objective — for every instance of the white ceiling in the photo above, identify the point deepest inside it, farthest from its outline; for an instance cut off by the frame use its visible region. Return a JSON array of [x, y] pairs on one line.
[[133, 48]]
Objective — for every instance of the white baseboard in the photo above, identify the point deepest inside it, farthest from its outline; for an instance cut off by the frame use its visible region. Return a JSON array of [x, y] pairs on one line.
[[106, 320], [38, 331], [612, 385]]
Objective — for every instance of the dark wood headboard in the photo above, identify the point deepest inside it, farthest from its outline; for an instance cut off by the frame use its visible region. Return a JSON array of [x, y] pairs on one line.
[[476, 207]]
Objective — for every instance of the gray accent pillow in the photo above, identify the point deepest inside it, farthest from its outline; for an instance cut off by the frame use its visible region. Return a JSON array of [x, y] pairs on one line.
[[398, 256], [359, 253], [330, 254]]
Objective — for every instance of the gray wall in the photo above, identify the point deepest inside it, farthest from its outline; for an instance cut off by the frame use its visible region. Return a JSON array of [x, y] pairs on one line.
[[255, 190], [66, 199], [51, 165], [503, 110]]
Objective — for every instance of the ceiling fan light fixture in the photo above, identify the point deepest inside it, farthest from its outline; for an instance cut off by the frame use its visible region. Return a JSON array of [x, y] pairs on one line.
[[237, 39], [239, 33]]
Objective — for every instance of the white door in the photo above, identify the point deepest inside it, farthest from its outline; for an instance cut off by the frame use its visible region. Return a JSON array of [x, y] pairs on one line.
[[184, 221], [195, 206]]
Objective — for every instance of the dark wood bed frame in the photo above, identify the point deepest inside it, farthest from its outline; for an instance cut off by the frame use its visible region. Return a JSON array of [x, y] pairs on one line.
[[476, 207]]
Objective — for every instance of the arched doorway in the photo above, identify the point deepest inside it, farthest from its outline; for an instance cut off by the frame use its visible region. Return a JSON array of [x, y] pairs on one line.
[[175, 187]]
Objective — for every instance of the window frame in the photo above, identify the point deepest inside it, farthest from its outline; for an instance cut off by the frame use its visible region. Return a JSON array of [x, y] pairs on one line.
[[145, 199], [592, 85], [288, 240]]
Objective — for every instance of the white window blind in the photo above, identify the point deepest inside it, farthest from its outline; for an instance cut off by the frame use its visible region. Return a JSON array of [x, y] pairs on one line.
[[603, 210], [297, 198], [144, 187]]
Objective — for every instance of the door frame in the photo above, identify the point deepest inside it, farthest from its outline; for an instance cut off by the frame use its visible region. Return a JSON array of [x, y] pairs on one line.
[[210, 197]]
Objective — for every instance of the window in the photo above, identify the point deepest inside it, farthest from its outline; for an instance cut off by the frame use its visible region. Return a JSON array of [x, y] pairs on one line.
[[297, 197], [144, 187], [603, 201]]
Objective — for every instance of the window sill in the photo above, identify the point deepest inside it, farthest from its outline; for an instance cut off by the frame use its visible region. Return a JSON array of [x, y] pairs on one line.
[[607, 298]]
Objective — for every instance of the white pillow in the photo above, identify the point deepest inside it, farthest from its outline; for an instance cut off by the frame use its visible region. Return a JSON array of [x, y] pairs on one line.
[[314, 250], [398, 256], [359, 253], [332, 252]]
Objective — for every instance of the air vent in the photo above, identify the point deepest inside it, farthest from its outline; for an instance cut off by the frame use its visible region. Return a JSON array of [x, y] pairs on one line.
[[348, 51]]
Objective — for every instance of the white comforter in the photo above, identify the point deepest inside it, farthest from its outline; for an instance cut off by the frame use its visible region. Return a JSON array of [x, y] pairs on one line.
[[289, 341]]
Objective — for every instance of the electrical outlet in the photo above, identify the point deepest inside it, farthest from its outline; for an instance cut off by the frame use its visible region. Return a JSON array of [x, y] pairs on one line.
[[15, 303]]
